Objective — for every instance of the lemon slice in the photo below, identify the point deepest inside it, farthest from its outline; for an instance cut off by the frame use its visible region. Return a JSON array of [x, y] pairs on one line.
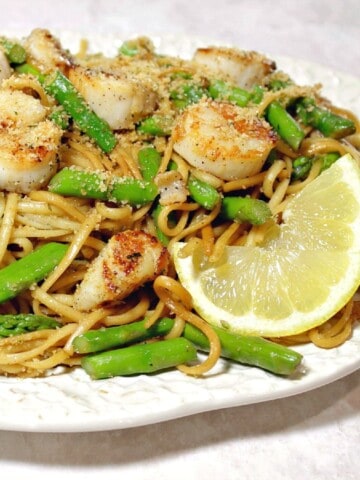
[[304, 272]]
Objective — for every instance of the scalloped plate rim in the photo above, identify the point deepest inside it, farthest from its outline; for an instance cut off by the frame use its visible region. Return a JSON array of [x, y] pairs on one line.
[[71, 402]]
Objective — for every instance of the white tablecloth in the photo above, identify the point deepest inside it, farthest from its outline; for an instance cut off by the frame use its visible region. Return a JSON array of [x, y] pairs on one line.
[[315, 435]]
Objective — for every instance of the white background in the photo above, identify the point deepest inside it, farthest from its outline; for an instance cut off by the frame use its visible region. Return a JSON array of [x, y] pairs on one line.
[[315, 435]]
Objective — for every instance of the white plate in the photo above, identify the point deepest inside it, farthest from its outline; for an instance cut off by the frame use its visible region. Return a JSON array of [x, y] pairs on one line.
[[71, 402]]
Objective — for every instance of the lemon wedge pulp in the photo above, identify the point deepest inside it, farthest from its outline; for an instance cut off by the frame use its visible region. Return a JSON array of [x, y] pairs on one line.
[[298, 278]]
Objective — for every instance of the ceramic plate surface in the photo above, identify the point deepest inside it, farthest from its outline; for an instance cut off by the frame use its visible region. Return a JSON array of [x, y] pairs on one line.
[[72, 402]]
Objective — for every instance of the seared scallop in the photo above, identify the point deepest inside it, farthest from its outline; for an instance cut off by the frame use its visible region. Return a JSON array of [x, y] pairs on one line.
[[222, 139]]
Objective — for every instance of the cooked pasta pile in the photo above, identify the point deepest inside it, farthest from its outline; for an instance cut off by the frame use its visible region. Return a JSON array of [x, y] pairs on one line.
[[150, 101]]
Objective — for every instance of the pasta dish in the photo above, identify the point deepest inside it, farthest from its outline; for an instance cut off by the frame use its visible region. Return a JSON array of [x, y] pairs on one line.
[[107, 165]]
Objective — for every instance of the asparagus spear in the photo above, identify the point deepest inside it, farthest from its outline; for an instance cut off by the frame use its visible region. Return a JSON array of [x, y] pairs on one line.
[[60, 87], [111, 337], [79, 183], [187, 94], [327, 122], [28, 69], [11, 325], [60, 117], [142, 358], [129, 49], [15, 52], [302, 165], [245, 209], [202, 193], [157, 125], [257, 94], [328, 159], [181, 74], [285, 125], [133, 47], [222, 90], [32, 268], [86, 119], [131, 190], [277, 84], [88, 184], [248, 350], [164, 239], [149, 161]]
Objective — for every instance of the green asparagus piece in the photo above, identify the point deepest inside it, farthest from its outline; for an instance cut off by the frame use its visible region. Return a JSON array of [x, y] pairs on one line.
[[129, 49], [74, 182], [257, 94], [14, 51], [187, 94], [157, 125], [64, 92], [11, 325], [276, 84], [202, 193], [149, 160], [133, 47], [328, 159], [137, 359], [133, 191], [86, 119], [164, 239], [28, 69], [327, 122], [285, 125], [248, 350], [301, 167], [181, 74], [88, 184], [245, 209], [223, 91], [172, 166], [111, 337], [32, 268], [60, 117]]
